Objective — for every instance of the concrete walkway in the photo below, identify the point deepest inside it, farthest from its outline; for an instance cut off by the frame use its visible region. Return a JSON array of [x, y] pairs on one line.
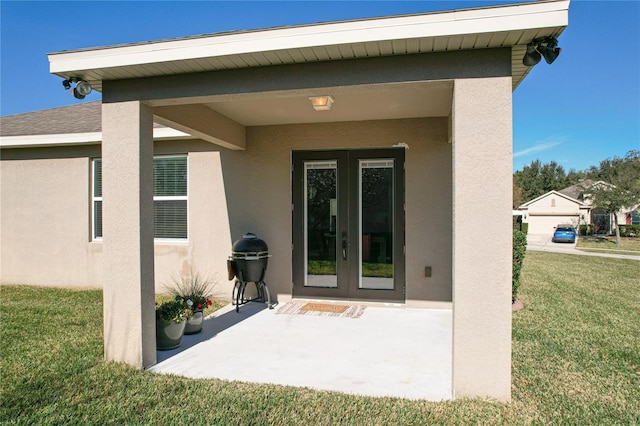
[[388, 351], [537, 242]]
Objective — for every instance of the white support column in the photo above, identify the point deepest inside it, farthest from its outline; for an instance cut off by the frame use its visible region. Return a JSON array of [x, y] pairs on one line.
[[127, 188], [482, 237]]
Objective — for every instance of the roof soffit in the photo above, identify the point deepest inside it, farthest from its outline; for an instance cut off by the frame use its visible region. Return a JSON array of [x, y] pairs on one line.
[[501, 26]]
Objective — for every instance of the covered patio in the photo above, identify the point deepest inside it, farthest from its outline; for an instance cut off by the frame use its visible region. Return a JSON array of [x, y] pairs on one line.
[[388, 351], [425, 98]]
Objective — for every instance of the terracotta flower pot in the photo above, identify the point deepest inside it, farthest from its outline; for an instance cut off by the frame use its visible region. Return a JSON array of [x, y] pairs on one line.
[[194, 324], [169, 334]]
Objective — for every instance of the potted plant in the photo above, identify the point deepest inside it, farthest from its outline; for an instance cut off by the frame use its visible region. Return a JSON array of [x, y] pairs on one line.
[[171, 318], [197, 291]]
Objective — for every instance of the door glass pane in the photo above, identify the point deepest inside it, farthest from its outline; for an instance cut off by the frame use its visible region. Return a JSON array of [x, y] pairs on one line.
[[376, 224], [320, 221]]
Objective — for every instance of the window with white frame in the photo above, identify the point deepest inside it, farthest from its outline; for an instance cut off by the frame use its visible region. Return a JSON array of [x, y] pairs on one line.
[[96, 199], [170, 197]]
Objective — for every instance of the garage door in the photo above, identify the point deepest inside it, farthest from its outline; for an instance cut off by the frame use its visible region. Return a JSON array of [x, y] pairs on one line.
[[546, 224]]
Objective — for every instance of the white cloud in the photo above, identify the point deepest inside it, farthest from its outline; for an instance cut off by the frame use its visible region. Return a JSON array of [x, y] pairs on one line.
[[542, 146]]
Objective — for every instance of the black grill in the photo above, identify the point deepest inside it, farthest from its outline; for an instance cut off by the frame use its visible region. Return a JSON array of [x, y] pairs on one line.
[[248, 263]]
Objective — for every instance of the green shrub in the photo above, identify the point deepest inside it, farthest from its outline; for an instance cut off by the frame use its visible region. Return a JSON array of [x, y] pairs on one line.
[[629, 230], [519, 251], [525, 228], [586, 229]]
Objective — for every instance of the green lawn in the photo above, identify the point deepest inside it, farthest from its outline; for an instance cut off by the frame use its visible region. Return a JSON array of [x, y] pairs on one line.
[[576, 361], [328, 267], [608, 245]]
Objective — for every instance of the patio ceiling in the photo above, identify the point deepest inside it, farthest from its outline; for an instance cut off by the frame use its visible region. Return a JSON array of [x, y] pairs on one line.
[[378, 102]]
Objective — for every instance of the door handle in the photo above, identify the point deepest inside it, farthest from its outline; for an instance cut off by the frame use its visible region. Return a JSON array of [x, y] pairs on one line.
[[345, 244]]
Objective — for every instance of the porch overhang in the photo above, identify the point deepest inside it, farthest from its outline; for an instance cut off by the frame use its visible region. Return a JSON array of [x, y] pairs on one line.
[[510, 26], [325, 46]]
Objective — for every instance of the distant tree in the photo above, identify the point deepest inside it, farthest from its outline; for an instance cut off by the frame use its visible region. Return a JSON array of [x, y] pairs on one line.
[[622, 172], [621, 188], [518, 195], [537, 179]]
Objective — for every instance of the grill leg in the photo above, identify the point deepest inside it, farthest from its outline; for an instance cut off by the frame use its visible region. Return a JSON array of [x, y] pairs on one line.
[[267, 299], [238, 291], [237, 296]]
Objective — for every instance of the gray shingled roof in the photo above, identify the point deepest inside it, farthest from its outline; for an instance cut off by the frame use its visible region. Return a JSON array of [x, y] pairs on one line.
[[573, 191], [80, 118], [576, 191]]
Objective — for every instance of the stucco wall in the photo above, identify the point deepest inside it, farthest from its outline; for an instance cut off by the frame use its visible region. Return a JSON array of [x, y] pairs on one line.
[[45, 222], [230, 193], [260, 179], [482, 179], [554, 204], [551, 210], [45, 219]]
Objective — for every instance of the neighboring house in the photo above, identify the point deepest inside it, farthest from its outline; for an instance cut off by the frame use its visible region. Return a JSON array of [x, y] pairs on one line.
[[573, 206], [604, 222], [418, 135], [549, 210]]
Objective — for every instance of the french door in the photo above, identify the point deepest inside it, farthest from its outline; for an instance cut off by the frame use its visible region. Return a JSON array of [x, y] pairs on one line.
[[348, 224]]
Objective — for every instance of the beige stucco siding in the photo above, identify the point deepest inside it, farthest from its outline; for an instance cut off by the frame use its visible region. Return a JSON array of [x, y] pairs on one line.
[[551, 210], [482, 179], [230, 193], [266, 208], [209, 242], [46, 235], [45, 222]]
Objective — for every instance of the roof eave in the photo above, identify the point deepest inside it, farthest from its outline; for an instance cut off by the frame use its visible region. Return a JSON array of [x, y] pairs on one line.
[[550, 17], [73, 139]]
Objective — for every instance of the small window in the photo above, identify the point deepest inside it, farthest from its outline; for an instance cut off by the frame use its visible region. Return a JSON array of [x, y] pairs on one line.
[[170, 198], [635, 219], [96, 199], [553, 202]]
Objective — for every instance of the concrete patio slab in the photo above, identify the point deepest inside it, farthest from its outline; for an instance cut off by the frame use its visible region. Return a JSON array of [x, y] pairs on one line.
[[388, 351]]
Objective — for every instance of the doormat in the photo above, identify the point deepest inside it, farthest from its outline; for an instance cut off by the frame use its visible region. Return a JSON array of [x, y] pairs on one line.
[[322, 309]]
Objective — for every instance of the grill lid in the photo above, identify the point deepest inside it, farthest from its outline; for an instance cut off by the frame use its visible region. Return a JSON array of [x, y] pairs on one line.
[[250, 244]]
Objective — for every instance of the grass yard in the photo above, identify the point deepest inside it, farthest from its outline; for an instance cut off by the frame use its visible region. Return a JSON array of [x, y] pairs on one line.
[[576, 360], [328, 267], [608, 245]]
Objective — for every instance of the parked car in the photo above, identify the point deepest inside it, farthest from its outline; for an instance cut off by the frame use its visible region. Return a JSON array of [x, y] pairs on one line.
[[564, 234]]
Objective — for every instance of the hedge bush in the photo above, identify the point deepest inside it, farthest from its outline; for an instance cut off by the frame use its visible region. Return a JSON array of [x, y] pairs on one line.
[[586, 229], [519, 251], [629, 230]]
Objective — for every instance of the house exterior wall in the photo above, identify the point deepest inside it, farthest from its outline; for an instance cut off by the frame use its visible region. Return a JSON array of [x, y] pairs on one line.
[[266, 209], [46, 206], [45, 219], [551, 210]]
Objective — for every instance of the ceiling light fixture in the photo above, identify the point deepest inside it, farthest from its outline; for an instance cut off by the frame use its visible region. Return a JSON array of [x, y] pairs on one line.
[[321, 103], [541, 47], [81, 89]]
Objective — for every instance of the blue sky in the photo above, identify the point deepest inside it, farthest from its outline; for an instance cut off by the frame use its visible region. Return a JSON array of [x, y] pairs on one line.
[[582, 109]]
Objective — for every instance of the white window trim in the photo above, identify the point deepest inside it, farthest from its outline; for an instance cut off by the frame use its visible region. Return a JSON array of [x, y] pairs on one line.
[[94, 198], [155, 198], [176, 198]]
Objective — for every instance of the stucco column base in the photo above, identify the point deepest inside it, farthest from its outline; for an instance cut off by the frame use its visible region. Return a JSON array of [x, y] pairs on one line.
[[482, 145], [127, 191]]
